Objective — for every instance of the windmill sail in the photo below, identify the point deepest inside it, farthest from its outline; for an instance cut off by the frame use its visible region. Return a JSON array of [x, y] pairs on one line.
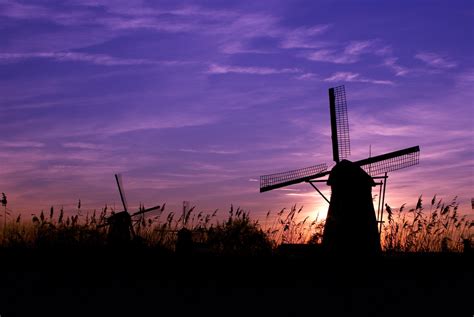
[[273, 181], [391, 161], [341, 147], [118, 178]]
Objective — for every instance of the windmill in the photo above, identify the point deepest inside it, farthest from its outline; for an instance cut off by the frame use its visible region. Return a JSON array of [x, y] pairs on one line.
[[351, 204], [120, 224]]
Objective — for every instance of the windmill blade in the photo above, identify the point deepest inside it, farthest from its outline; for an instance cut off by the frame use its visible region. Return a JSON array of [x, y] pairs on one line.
[[278, 180], [341, 147], [145, 211], [392, 161], [118, 178]]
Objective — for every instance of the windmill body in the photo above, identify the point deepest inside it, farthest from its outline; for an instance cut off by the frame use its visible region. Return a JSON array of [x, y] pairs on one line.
[[351, 225], [120, 228]]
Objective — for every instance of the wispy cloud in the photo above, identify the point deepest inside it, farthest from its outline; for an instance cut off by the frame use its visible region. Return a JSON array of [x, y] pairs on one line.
[[81, 145], [225, 69], [391, 63], [174, 121], [118, 17], [236, 47], [465, 81], [16, 10], [331, 56], [435, 60], [304, 37], [252, 25], [352, 53], [307, 194], [307, 76], [98, 59], [349, 55], [355, 77], [363, 125], [266, 26], [356, 48], [210, 151], [21, 144]]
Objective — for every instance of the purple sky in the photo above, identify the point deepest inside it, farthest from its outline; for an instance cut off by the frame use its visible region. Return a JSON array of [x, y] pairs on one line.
[[194, 100]]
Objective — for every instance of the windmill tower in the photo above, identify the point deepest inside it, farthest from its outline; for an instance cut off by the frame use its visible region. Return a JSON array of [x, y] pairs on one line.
[[351, 224]]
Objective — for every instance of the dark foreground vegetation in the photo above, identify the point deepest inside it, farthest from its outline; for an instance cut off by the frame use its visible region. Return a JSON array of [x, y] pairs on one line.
[[59, 265], [435, 228], [147, 282]]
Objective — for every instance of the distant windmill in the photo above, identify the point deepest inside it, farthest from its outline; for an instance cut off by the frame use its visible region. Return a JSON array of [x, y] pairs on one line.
[[121, 223], [351, 222]]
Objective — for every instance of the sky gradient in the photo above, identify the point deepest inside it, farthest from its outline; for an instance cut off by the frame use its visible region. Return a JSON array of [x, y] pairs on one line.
[[195, 100]]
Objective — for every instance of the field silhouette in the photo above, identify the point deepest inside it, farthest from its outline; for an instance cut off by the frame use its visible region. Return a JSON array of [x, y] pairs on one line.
[[235, 266], [435, 228], [110, 262]]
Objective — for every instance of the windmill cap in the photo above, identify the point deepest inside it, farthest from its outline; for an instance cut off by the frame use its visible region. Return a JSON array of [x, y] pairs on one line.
[[347, 173]]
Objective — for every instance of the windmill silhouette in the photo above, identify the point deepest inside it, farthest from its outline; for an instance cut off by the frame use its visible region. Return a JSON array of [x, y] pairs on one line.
[[351, 224], [120, 224]]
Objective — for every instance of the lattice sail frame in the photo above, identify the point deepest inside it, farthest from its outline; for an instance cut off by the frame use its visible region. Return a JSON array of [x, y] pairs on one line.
[[272, 181], [341, 146], [390, 161]]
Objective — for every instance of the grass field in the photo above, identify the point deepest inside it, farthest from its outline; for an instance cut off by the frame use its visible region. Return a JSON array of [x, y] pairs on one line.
[[57, 265], [435, 228]]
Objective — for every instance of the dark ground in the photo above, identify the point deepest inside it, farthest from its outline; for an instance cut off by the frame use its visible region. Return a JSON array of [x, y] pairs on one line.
[[149, 283]]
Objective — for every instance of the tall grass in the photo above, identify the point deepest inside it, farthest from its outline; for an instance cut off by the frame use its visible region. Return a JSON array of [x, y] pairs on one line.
[[288, 227], [51, 229], [436, 228]]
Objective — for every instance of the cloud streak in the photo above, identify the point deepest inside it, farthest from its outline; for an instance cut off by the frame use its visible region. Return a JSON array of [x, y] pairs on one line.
[[98, 59], [21, 144], [351, 53], [303, 38], [434, 60], [355, 77], [391, 62], [217, 69]]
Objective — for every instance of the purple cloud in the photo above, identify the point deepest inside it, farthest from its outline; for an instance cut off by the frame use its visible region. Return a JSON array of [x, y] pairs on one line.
[[332, 56], [225, 69], [354, 77], [304, 37], [391, 62], [435, 60], [98, 59]]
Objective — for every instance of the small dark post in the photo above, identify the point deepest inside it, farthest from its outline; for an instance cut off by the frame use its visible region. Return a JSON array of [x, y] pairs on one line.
[[184, 243], [467, 247], [4, 204]]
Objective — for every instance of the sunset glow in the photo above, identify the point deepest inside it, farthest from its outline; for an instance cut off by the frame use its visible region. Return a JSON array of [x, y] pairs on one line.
[[194, 101]]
